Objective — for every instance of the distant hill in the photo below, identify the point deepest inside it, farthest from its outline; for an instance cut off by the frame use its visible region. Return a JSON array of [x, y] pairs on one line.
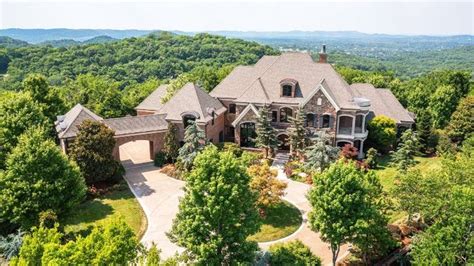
[[42, 35], [70, 42], [10, 42]]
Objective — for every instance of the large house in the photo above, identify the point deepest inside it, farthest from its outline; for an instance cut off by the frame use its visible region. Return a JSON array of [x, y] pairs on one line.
[[285, 83]]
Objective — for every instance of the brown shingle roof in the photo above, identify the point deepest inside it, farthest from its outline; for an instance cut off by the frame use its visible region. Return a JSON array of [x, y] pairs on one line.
[[137, 124], [191, 99], [242, 83], [382, 102], [72, 119], [153, 101]]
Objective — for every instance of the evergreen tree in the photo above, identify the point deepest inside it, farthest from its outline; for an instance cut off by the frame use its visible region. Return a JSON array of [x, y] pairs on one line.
[[171, 143], [38, 177], [424, 127], [214, 221], [371, 158], [462, 121], [92, 150], [320, 155], [298, 132], [194, 142], [408, 147], [266, 135]]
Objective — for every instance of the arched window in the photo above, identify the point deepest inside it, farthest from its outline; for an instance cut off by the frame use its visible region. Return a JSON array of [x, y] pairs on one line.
[[187, 120], [310, 120], [285, 113], [320, 101], [326, 120], [287, 90]]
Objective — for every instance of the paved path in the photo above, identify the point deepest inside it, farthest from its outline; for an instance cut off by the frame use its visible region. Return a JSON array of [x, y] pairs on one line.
[[158, 194], [296, 194]]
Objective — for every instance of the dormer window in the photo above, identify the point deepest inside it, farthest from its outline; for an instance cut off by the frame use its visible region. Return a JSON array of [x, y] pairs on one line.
[[287, 91], [288, 87]]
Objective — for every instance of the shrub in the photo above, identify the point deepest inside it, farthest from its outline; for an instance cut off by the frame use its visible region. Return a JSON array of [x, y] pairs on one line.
[[231, 147], [349, 152], [160, 159], [371, 158], [249, 158], [382, 133], [292, 253], [11, 244], [92, 150], [266, 185], [172, 171]]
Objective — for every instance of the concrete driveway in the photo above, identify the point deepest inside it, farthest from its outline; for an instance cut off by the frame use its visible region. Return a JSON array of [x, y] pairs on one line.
[[159, 196], [157, 193]]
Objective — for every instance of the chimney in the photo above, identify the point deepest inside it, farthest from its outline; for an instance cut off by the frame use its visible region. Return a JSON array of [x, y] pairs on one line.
[[323, 57]]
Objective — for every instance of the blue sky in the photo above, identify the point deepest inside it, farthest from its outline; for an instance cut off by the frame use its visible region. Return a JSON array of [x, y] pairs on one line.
[[399, 17]]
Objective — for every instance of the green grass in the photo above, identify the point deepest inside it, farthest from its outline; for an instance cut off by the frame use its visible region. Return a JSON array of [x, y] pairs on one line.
[[281, 221], [388, 174], [118, 203]]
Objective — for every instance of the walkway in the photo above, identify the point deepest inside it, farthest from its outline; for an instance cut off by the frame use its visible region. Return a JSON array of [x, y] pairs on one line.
[[157, 193], [296, 194]]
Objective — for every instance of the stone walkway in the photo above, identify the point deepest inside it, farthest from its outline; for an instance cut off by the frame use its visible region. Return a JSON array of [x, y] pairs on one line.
[[296, 194]]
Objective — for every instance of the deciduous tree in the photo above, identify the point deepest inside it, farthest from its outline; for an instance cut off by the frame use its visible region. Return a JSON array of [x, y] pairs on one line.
[[18, 112], [92, 150], [38, 177], [292, 253], [266, 185], [213, 221], [462, 121]]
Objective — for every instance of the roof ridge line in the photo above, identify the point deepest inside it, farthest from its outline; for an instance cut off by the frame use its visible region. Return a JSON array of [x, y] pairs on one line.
[[196, 88], [260, 75], [264, 90]]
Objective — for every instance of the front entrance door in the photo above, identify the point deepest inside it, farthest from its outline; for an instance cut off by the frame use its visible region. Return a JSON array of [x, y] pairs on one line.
[[283, 142]]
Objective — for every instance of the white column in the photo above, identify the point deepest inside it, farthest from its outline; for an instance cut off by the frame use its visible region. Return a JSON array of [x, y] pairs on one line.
[[353, 125], [361, 150], [363, 123]]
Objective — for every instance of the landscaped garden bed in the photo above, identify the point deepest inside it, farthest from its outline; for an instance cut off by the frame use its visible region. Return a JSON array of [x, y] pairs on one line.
[[280, 221]]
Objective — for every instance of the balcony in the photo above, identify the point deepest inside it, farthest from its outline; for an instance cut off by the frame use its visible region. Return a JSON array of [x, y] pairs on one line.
[[346, 132]]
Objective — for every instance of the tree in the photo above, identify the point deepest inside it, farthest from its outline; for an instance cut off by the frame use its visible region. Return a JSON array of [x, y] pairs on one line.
[[408, 147], [298, 132], [40, 91], [266, 185], [18, 112], [449, 241], [213, 222], [153, 256], [321, 155], [443, 102], [194, 142], [266, 136], [371, 158], [349, 152], [462, 122], [92, 150], [112, 243], [340, 203], [135, 93], [10, 245], [38, 177], [424, 127], [382, 133], [171, 143], [292, 253]]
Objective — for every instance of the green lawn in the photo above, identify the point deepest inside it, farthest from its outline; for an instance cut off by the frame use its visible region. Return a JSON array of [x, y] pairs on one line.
[[118, 203], [281, 221], [387, 174]]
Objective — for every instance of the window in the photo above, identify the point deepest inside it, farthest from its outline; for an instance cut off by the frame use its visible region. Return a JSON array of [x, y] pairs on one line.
[[247, 134], [326, 119], [274, 116], [187, 120], [231, 108], [213, 117], [310, 120], [320, 101], [285, 113], [221, 136], [287, 91]]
